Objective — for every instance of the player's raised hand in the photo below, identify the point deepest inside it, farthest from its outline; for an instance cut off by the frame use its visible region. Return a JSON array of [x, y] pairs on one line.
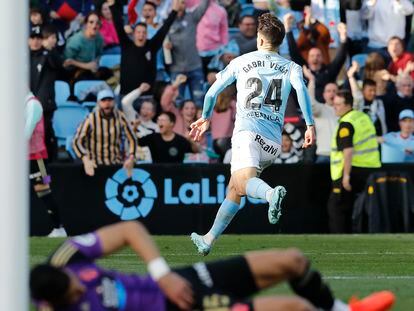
[[198, 128], [310, 137], [178, 290]]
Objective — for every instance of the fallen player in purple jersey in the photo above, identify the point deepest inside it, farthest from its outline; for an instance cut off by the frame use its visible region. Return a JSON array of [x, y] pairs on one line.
[[71, 280]]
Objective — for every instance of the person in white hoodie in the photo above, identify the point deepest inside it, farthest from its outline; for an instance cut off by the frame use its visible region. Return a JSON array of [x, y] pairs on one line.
[[386, 18], [324, 116]]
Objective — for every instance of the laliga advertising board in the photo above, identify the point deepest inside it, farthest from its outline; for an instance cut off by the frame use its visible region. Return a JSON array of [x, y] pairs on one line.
[[178, 199]]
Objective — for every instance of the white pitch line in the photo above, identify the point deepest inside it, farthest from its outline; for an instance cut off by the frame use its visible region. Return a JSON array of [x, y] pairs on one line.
[[380, 277]]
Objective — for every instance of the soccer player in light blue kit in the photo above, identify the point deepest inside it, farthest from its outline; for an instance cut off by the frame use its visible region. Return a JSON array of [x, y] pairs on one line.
[[264, 80]]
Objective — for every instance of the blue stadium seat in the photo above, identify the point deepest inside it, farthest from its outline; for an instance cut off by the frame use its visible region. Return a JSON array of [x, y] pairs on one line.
[[89, 105], [84, 85], [66, 120], [62, 92], [360, 59], [233, 31], [247, 9], [110, 60]]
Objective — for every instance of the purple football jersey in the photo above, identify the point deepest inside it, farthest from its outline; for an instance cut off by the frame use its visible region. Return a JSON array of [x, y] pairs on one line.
[[106, 290]]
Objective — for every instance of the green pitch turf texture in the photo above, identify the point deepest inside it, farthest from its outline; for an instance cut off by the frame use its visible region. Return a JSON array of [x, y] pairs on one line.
[[352, 264]]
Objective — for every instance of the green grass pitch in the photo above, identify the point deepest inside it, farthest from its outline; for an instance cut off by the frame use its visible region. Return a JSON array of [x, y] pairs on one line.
[[352, 264]]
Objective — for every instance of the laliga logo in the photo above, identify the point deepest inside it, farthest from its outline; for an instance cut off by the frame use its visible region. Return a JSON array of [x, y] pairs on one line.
[[130, 198]]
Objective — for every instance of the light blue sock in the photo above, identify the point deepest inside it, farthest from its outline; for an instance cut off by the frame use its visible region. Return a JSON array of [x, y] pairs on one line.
[[224, 216], [257, 188]]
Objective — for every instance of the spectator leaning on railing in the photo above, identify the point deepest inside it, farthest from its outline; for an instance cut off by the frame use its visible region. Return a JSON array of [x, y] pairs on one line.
[[98, 139], [138, 56]]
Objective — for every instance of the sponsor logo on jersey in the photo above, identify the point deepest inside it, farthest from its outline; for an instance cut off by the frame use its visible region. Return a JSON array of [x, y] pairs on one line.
[[262, 115], [265, 146]]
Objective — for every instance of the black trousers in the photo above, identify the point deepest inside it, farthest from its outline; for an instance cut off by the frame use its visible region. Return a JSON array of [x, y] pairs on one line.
[[341, 202]]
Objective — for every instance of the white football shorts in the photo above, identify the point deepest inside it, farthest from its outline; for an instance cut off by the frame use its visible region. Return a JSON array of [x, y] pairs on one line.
[[252, 150]]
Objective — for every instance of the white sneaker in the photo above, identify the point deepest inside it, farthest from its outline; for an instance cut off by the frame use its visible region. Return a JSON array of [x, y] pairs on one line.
[[58, 233]]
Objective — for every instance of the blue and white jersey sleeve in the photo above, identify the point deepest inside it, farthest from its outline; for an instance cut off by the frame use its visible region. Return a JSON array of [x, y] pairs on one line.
[[296, 80], [223, 79]]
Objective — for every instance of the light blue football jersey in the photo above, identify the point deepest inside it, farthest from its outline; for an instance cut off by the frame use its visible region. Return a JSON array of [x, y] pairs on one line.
[[264, 80]]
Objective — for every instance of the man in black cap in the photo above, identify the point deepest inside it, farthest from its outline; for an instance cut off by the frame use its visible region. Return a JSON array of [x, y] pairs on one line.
[[45, 66]]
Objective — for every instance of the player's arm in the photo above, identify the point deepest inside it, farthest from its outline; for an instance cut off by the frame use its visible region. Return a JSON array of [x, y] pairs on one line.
[[223, 79], [134, 235], [296, 79]]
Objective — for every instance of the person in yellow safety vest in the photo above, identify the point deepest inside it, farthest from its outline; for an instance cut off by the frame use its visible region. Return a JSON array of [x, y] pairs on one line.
[[354, 155]]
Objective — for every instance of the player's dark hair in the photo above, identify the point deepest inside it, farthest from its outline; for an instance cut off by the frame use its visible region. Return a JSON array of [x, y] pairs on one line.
[[271, 28], [49, 30], [368, 82], [170, 116], [48, 283], [151, 4], [347, 95]]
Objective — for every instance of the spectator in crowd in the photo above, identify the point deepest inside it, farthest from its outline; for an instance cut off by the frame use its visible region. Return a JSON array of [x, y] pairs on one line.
[[141, 122], [396, 101], [138, 57], [167, 146], [233, 9], [328, 13], [45, 68], [186, 114], [224, 56], [312, 34], [149, 14], [222, 120], [246, 38], [354, 156], [375, 70], [366, 100], [83, 50], [386, 18], [212, 33], [324, 116], [105, 149], [35, 18], [350, 14], [399, 146], [401, 60], [184, 51], [108, 31], [283, 7], [288, 154], [323, 73], [35, 134]]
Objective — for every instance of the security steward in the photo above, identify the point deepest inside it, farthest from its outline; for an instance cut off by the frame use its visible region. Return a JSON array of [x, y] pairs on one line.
[[354, 156]]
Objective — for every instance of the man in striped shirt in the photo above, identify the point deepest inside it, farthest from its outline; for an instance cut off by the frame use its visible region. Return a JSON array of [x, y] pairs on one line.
[[98, 140]]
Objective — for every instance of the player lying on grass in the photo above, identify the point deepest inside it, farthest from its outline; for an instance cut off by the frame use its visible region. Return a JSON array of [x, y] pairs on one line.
[[70, 280]]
